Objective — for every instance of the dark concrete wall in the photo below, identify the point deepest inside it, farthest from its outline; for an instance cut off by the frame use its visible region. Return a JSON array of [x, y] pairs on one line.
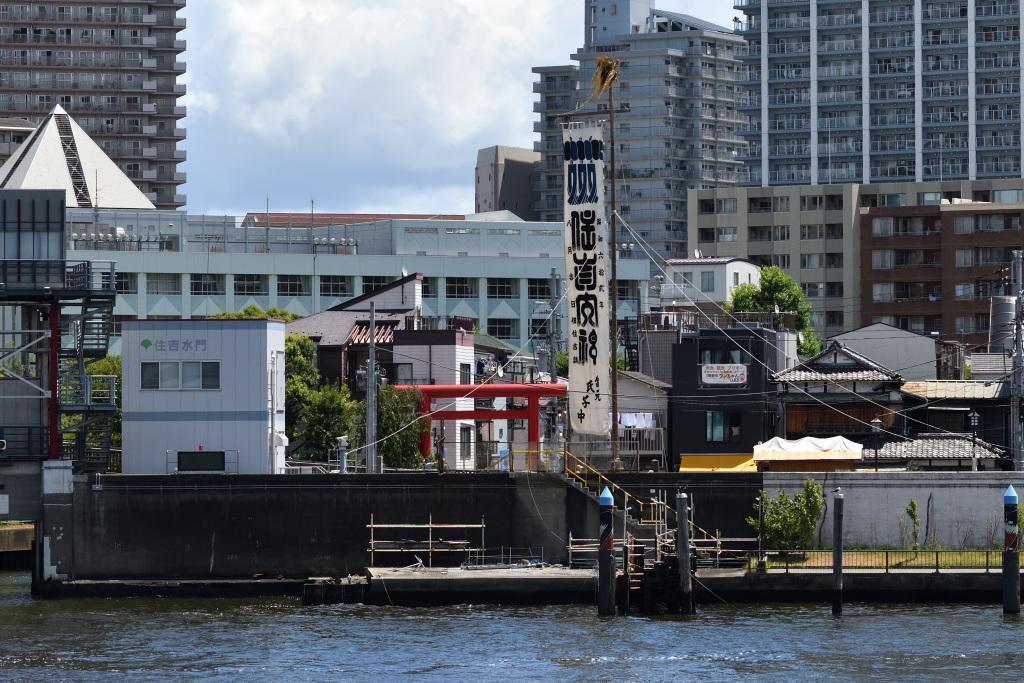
[[720, 501], [299, 526], [22, 483]]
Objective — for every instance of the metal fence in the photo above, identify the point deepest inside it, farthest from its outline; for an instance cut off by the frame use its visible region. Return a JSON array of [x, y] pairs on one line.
[[883, 560]]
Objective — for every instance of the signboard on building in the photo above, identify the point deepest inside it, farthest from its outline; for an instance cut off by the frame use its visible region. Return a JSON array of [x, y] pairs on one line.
[[723, 373], [587, 279]]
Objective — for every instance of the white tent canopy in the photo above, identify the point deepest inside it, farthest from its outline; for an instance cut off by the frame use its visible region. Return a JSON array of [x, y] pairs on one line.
[[808, 448]]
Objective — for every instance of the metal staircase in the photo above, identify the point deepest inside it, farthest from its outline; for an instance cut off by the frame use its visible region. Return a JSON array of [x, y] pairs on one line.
[[88, 403], [67, 142]]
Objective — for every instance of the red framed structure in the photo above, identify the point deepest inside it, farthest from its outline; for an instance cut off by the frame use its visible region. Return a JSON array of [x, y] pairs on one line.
[[531, 392]]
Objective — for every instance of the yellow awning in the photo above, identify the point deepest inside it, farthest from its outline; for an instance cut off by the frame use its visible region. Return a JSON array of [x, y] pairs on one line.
[[725, 462]]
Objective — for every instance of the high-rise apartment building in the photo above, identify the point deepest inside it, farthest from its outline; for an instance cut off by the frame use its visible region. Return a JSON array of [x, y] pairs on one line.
[[877, 91], [114, 67], [682, 130], [504, 180]]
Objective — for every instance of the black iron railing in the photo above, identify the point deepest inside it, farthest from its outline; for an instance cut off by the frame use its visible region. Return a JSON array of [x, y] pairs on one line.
[[35, 275], [24, 442]]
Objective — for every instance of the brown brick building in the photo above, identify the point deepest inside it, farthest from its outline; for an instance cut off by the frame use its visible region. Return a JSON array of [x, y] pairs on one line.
[[932, 269]]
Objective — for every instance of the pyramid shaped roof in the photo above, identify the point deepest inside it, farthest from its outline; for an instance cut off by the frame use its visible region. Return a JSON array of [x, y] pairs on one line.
[[59, 155]]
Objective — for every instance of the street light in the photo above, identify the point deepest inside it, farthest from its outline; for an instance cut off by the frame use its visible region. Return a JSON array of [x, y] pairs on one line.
[[975, 420], [876, 429]]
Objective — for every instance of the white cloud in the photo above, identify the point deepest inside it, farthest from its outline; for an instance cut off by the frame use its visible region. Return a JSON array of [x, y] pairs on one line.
[[410, 80]]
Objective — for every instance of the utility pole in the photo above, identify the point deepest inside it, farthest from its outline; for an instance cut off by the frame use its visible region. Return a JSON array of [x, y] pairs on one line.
[[613, 295], [371, 395], [1018, 357], [553, 325]]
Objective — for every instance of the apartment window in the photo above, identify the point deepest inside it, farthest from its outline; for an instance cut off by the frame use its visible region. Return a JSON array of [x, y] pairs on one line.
[[127, 283], [813, 290], [1007, 196], [335, 285], [723, 427], [964, 290], [205, 284], [833, 289], [706, 206], [249, 284], [812, 203], [292, 285], [964, 258], [882, 292], [725, 206], [465, 373], [707, 281], [501, 288], [812, 232], [929, 198], [834, 260], [811, 261], [834, 202], [372, 283], [834, 319], [780, 233], [882, 226], [538, 288], [706, 235], [726, 234], [780, 260], [428, 288], [817, 319], [163, 283], [459, 288], [721, 356], [502, 328], [834, 231], [963, 225], [538, 328], [184, 376], [780, 204], [881, 259]]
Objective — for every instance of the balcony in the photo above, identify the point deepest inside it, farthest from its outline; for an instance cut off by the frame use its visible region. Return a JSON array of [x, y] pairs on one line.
[[46, 279]]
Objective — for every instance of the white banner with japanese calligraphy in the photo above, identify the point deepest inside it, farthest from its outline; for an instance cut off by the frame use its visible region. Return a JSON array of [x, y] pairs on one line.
[[586, 263]]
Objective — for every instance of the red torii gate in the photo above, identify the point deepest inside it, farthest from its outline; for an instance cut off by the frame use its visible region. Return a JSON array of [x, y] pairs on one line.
[[531, 392]]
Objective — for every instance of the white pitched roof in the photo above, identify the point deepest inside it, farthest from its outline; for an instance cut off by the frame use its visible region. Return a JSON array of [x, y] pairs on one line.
[[59, 155]]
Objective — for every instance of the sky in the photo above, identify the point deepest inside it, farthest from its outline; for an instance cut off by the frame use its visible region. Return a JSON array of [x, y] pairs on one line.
[[365, 105]]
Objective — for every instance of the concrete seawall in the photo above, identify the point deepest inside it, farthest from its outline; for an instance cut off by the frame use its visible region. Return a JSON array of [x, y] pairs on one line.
[[203, 527], [956, 509]]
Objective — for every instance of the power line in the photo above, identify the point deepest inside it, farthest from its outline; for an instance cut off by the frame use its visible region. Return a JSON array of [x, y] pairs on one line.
[[653, 256]]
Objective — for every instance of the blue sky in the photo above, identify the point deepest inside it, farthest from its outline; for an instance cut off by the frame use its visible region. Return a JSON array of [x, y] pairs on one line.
[[365, 105]]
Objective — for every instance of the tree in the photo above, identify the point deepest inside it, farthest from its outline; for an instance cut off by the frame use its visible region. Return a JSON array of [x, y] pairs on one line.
[[301, 379], [110, 366], [789, 523], [778, 292], [398, 427], [328, 412], [253, 312]]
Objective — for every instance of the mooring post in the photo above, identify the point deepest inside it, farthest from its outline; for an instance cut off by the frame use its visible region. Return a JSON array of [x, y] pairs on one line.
[[605, 556], [1011, 553], [686, 604], [837, 553]]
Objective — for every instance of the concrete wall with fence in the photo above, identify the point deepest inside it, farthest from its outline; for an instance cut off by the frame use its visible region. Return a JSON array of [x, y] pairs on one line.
[[957, 510]]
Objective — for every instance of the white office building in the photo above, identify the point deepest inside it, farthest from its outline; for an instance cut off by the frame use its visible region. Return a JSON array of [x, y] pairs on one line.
[[203, 396], [494, 268]]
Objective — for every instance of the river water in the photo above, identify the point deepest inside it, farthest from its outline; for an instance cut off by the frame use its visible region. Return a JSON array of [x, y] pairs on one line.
[[280, 640]]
